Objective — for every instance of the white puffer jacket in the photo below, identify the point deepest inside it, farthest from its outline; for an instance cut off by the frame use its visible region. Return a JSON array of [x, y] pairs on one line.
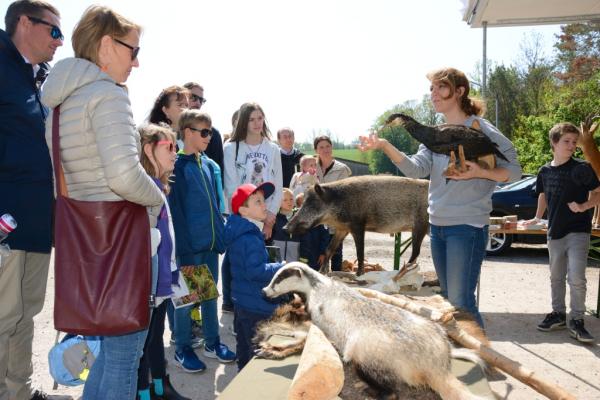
[[99, 145]]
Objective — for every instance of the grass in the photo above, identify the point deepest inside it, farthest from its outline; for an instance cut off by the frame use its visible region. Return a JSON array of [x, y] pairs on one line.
[[348, 154]]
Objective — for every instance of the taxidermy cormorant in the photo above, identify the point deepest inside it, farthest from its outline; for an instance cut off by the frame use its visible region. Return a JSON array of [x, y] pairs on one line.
[[446, 138]]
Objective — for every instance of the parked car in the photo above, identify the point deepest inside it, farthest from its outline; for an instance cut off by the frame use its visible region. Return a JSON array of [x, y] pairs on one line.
[[517, 198]]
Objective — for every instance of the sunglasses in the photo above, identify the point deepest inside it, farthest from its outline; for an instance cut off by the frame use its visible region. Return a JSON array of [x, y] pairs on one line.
[[134, 50], [171, 146], [203, 132], [55, 32], [195, 97]]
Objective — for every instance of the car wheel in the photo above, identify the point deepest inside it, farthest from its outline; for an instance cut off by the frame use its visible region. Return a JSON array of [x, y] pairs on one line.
[[497, 243]]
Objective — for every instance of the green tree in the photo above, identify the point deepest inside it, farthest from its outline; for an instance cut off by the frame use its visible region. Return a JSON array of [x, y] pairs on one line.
[[578, 48], [422, 111]]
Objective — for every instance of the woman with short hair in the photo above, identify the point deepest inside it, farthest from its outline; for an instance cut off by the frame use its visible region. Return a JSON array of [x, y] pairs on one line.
[[100, 157]]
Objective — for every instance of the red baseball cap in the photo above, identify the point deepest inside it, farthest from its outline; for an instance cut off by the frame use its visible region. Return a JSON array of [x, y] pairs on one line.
[[246, 190]]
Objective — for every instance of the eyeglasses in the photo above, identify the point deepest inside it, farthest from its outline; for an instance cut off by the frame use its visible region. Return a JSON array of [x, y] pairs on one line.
[[171, 144], [195, 97], [203, 132], [134, 50], [55, 32]]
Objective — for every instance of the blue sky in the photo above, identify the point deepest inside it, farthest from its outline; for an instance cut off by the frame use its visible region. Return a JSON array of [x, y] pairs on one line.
[[312, 65]]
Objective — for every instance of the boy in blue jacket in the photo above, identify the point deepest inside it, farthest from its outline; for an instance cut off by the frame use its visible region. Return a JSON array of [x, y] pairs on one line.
[[250, 267], [199, 236]]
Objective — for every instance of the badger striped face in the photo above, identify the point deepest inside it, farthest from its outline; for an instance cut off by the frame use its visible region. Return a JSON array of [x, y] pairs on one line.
[[294, 277]]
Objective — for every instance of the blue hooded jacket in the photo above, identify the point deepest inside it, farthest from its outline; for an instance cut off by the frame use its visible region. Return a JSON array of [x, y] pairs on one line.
[[197, 220], [250, 267], [26, 189]]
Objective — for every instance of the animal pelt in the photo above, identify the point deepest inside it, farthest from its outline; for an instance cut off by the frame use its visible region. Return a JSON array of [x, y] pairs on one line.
[[289, 320], [388, 346]]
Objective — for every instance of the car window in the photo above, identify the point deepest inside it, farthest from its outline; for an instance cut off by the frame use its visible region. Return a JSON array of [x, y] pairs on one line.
[[523, 183]]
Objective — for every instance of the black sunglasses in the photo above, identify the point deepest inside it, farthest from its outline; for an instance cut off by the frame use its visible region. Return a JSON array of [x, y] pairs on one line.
[[55, 32], [195, 97], [134, 50], [203, 132]]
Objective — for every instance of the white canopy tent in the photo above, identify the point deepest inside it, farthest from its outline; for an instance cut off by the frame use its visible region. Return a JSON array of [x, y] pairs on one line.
[[498, 13]]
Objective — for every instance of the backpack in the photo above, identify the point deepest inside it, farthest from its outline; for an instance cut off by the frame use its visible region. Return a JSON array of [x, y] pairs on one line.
[[70, 360]]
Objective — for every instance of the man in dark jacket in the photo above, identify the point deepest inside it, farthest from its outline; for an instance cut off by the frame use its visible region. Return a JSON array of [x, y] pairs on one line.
[[214, 151], [31, 38], [290, 156]]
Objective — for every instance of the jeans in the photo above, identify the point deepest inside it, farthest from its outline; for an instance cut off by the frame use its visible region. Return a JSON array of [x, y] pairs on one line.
[[245, 327], [114, 373], [210, 318], [568, 261], [457, 253]]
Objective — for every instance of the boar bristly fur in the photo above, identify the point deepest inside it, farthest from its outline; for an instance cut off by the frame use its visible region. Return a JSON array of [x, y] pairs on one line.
[[385, 204]]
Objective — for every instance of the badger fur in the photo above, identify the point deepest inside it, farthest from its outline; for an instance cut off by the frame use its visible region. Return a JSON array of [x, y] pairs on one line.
[[387, 345]]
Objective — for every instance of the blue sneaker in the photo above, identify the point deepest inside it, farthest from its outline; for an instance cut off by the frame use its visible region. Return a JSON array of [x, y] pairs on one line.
[[189, 361], [221, 352]]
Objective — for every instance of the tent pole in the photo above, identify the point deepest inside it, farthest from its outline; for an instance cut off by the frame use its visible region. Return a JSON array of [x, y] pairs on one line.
[[484, 61]]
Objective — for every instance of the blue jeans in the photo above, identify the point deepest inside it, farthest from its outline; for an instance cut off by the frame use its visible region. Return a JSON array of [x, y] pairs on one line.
[[210, 318], [457, 253], [114, 373]]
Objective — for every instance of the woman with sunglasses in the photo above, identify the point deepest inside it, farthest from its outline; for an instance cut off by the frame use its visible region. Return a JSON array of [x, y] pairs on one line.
[[251, 157], [100, 157]]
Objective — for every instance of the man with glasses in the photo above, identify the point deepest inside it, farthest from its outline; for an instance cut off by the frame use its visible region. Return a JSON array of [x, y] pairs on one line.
[[195, 101], [31, 38]]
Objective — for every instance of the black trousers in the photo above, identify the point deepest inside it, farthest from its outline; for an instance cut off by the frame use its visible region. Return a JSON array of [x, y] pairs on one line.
[[245, 327], [153, 358]]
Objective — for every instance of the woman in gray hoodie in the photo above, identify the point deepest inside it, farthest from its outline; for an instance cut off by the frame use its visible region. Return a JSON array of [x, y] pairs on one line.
[[459, 205], [100, 156]]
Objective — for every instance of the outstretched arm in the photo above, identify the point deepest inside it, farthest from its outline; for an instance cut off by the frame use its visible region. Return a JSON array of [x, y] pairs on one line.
[[374, 142]]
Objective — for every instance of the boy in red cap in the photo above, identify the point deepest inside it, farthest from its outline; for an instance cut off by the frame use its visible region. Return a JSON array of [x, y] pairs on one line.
[[250, 266]]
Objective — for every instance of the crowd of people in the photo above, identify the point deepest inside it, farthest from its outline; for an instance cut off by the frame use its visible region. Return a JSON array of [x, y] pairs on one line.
[[209, 195]]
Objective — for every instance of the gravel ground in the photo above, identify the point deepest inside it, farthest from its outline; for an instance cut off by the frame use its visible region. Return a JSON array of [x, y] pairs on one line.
[[515, 295]]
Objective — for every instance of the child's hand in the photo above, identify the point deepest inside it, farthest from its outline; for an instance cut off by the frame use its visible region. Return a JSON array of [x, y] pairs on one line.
[[576, 207], [530, 221]]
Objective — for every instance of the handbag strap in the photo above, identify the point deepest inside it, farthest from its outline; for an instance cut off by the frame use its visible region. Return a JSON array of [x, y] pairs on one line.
[[59, 176]]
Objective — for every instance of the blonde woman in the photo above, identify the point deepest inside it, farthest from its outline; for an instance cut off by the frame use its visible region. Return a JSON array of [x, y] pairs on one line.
[[100, 156]]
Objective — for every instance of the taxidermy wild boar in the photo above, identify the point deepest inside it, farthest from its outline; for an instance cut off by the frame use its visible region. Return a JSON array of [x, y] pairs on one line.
[[385, 204]]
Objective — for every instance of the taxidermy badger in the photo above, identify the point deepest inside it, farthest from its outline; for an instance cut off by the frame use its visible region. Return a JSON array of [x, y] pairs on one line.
[[387, 345]]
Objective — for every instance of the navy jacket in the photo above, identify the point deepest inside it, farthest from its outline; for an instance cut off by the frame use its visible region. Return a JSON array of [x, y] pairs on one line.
[[250, 267], [289, 165], [26, 189], [197, 221], [215, 150], [312, 244]]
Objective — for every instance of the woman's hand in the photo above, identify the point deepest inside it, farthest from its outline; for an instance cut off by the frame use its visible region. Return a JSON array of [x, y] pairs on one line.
[[473, 171], [371, 142]]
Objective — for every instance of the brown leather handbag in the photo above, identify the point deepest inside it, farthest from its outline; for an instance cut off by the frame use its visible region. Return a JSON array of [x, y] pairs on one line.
[[102, 269]]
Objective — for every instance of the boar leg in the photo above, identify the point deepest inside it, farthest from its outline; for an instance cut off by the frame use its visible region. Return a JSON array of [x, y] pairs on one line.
[[419, 231], [358, 233], [336, 240]]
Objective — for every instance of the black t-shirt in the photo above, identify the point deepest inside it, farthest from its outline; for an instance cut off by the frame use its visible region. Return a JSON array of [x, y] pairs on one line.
[[571, 181]]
